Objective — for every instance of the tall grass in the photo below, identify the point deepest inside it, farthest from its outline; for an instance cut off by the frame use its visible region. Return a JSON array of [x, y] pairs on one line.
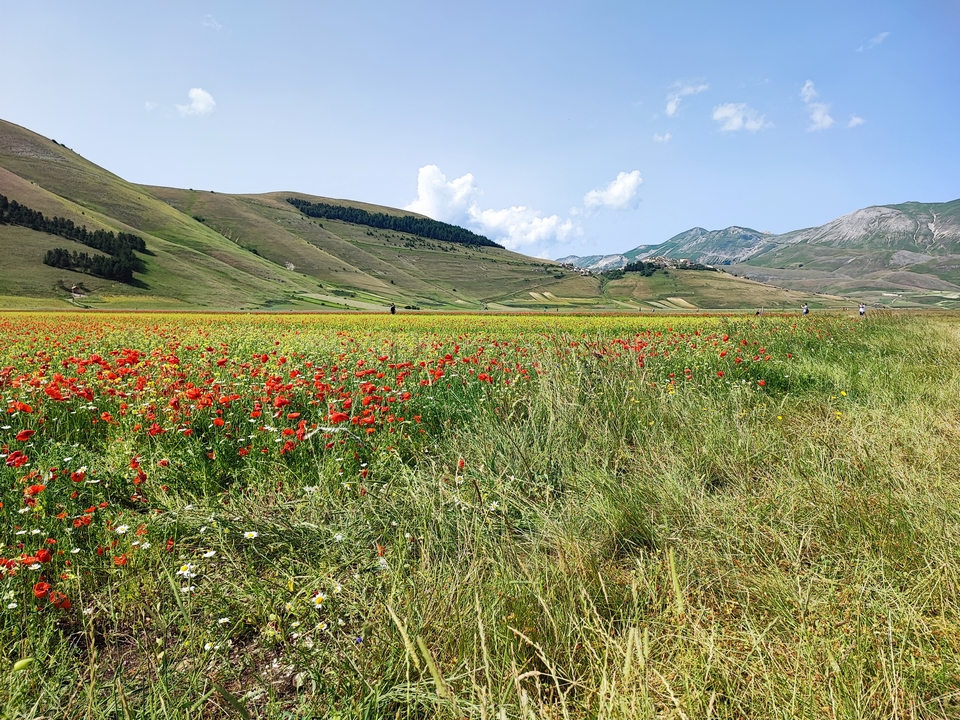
[[613, 546]]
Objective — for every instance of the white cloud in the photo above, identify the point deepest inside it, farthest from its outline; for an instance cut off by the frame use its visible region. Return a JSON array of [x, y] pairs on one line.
[[519, 226], [210, 22], [442, 200], [739, 116], [873, 42], [456, 201], [201, 103], [819, 117], [808, 92], [855, 120], [819, 112], [148, 105], [665, 138], [673, 99], [619, 194]]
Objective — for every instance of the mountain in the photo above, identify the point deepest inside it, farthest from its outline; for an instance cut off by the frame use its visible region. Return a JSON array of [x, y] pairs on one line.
[[907, 249], [711, 247]]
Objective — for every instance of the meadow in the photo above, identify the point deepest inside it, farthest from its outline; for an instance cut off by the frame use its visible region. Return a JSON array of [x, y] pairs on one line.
[[359, 516]]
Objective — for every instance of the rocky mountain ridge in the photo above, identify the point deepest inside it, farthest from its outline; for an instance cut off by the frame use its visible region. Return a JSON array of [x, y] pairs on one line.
[[886, 247]]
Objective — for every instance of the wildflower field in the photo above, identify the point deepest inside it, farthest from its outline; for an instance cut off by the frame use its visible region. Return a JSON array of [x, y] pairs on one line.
[[479, 517]]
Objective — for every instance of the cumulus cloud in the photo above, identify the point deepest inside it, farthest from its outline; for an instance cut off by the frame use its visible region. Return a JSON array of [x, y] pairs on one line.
[[210, 22], [665, 138], [619, 194], [517, 227], [873, 42], [739, 116], [520, 226], [201, 103], [682, 91], [457, 201], [855, 120], [819, 117], [819, 112], [448, 201], [149, 105]]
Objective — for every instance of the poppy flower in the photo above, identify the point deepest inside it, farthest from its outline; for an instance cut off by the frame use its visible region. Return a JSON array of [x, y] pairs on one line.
[[59, 600], [17, 459], [41, 589], [24, 435]]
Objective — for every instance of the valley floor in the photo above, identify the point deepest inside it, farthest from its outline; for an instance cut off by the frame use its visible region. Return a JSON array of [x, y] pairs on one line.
[[533, 515]]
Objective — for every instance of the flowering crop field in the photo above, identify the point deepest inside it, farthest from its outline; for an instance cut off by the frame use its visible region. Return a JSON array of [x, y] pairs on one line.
[[490, 517]]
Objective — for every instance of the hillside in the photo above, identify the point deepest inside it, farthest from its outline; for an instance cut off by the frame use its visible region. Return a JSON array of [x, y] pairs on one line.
[[910, 250], [893, 254], [205, 249]]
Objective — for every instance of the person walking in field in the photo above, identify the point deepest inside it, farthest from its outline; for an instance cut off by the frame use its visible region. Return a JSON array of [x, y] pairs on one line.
[[393, 309], [863, 310], [806, 309]]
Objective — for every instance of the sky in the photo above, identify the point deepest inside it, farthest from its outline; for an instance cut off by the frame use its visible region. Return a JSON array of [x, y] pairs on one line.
[[556, 128]]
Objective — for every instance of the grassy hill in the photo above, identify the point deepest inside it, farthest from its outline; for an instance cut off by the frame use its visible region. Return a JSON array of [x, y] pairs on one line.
[[240, 252]]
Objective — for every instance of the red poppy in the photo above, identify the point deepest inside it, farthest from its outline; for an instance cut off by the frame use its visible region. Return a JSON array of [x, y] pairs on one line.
[[41, 589], [24, 435], [17, 459], [43, 555], [59, 600]]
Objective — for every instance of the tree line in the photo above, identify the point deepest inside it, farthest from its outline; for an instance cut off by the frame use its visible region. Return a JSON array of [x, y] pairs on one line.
[[424, 227], [119, 263], [646, 269], [118, 267], [649, 268]]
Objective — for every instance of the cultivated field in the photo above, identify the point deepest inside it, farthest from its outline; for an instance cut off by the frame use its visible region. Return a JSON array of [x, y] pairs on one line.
[[480, 516]]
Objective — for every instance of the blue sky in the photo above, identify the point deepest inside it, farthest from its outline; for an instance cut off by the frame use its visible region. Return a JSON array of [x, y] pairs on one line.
[[555, 127]]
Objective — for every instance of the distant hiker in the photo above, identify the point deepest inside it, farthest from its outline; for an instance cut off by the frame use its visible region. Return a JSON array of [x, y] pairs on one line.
[[863, 309], [806, 309], [393, 309]]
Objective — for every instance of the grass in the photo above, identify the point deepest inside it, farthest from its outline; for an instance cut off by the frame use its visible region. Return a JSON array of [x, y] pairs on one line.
[[585, 535]]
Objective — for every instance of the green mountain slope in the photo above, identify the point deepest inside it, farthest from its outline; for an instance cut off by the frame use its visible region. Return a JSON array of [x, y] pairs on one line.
[[238, 251], [893, 254], [218, 251]]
